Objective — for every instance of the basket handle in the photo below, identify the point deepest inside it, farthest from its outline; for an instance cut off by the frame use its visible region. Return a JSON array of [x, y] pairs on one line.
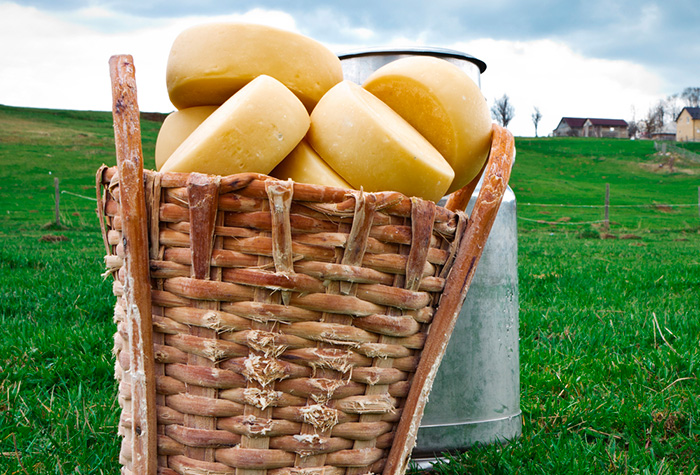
[[137, 289], [496, 175]]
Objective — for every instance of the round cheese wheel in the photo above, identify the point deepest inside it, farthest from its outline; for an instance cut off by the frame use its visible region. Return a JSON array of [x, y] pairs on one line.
[[176, 127], [444, 104], [304, 165], [372, 147], [251, 132], [209, 62]]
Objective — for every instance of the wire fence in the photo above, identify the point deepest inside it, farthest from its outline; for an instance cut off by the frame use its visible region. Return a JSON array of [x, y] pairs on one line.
[[665, 147], [660, 216], [26, 211], [64, 192], [78, 210]]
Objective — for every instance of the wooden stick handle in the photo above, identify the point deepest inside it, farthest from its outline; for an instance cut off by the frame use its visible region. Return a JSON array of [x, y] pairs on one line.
[[459, 200], [496, 175], [137, 286]]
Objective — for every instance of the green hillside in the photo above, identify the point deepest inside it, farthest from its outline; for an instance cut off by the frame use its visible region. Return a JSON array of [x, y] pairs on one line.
[[39, 145], [609, 319], [575, 171]]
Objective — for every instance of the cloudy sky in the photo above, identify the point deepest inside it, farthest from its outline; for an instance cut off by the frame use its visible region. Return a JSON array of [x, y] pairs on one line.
[[593, 58]]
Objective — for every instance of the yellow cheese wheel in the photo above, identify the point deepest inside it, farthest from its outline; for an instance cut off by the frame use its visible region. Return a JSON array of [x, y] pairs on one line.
[[304, 165], [372, 147], [209, 62], [251, 132], [443, 103], [176, 127]]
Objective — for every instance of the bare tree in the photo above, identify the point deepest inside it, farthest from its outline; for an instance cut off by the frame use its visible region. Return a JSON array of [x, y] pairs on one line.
[[633, 129], [536, 117], [691, 96], [654, 121], [503, 111], [672, 107]]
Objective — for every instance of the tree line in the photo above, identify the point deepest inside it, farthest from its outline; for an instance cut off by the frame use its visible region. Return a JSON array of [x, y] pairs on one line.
[[659, 115], [503, 112], [664, 112]]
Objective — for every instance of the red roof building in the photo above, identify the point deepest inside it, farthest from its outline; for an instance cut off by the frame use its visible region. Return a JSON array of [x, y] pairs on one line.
[[591, 127]]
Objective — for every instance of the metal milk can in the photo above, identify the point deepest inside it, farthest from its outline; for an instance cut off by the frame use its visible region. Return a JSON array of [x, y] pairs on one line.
[[476, 394]]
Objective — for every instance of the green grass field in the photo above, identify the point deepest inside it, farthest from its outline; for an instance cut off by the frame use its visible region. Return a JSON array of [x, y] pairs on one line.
[[609, 319]]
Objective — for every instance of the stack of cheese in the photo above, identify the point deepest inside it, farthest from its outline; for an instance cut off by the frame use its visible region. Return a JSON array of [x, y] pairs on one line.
[[252, 98]]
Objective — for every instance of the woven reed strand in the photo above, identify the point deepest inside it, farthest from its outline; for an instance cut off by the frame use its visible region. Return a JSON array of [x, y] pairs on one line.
[[287, 319]]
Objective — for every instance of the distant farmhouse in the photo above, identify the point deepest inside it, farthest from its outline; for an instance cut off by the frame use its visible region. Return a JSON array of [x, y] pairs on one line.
[[688, 125], [667, 132], [589, 127]]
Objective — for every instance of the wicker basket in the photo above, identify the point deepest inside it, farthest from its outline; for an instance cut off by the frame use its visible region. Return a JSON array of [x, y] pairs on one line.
[[266, 326]]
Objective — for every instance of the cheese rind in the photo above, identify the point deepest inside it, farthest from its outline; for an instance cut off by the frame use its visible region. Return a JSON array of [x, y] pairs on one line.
[[372, 147], [304, 165], [443, 103], [176, 127], [210, 62], [251, 132]]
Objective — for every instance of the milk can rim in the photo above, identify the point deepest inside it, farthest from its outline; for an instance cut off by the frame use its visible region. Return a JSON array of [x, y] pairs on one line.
[[429, 51]]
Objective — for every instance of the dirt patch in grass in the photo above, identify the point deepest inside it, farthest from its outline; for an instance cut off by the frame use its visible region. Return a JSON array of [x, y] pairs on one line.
[[54, 238], [662, 168], [664, 208]]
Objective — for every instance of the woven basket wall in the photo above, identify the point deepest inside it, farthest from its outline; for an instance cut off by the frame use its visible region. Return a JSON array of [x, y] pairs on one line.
[[288, 318], [267, 327]]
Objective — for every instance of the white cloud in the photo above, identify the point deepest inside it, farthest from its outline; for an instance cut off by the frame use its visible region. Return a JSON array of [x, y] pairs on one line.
[[52, 62], [364, 34], [94, 12], [560, 82], [60, 62]]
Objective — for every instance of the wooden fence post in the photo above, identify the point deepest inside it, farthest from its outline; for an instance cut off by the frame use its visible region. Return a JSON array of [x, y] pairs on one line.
[[607, 207], [58, 199]]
